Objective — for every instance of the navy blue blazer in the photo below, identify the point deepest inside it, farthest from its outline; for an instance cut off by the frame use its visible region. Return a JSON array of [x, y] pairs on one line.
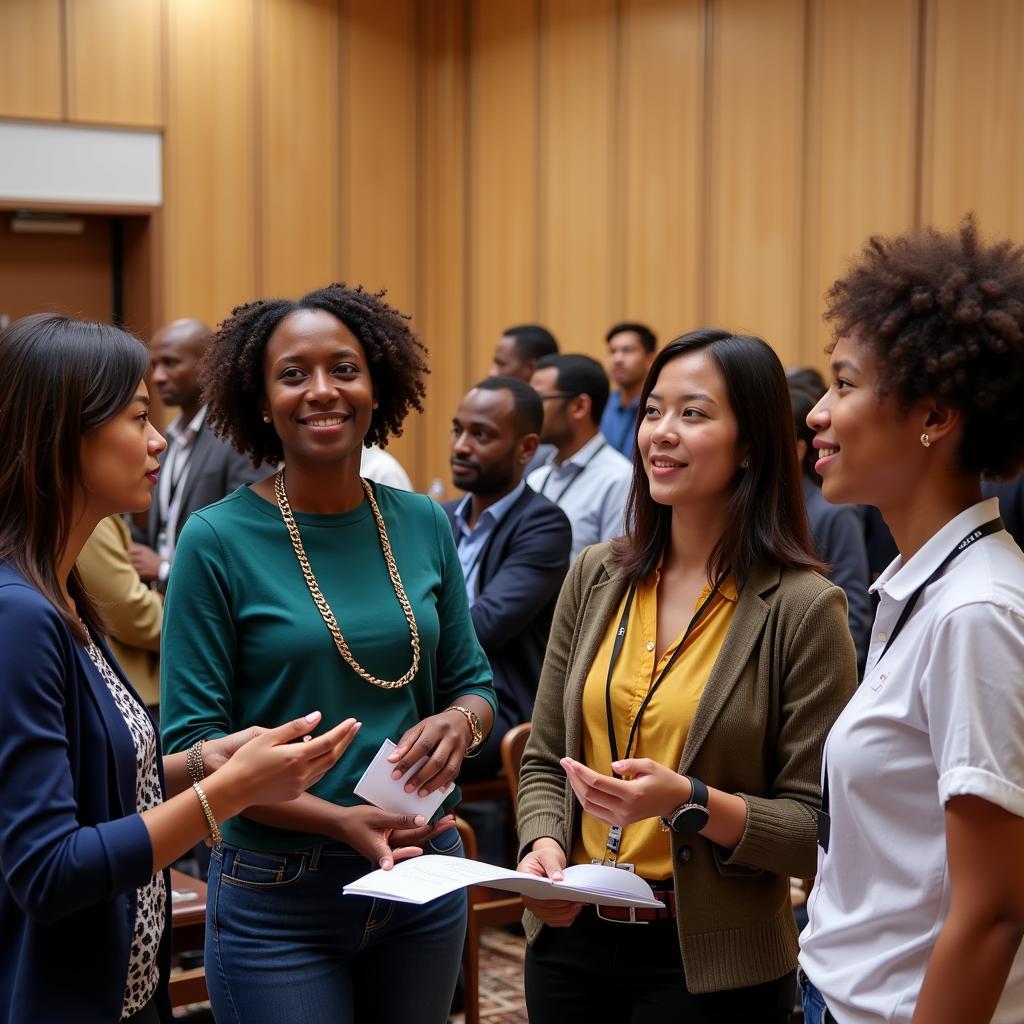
[[72, 848], [1011, 504], [522, 567]]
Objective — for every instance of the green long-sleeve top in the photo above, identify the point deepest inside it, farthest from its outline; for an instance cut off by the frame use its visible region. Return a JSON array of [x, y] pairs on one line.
[[244, 644]]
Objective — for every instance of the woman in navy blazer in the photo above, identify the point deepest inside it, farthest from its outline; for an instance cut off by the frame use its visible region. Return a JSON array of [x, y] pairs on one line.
[[85, 834]]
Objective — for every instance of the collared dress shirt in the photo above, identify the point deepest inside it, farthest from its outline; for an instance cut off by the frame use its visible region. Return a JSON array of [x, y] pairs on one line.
[[618, 423], [940, 715], [590, 487], [173, 474], [471, 542]]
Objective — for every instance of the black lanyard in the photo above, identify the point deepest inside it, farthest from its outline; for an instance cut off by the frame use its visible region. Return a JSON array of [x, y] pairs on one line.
[[620, 639], [565, 490], [614, 839], [992, 526]]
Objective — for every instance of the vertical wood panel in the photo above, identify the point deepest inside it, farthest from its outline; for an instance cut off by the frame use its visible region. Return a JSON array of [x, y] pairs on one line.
[[974, 159], [663, 72], [209, 189], [577, 114], [756, 169], [114, 61], [863, 170], [378, 144], [31, 56], [503, 158], [442, 204], [378, 132], [299, 140]]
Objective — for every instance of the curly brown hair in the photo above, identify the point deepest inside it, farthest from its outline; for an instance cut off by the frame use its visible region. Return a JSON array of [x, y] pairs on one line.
[[233, 366], [943, 314]]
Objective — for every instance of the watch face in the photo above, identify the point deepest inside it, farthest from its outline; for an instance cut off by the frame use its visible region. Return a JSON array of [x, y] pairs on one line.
[[689, 819]]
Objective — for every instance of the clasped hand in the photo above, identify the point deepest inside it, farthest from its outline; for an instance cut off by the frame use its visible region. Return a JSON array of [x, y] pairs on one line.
[[646, 790], [385, 838]]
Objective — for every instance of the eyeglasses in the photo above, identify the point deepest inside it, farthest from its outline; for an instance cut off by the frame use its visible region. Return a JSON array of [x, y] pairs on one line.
[[544, 396]]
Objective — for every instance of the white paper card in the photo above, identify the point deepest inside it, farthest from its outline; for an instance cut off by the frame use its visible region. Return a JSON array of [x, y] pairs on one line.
[[378, 788], [431, 876]]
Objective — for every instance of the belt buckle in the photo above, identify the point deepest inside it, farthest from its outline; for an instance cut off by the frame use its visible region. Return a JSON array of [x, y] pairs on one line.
[[632, 910], [616, 920]]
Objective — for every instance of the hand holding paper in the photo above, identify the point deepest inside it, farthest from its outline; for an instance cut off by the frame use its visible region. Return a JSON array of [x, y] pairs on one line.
[[432, 876], [547, 860], [392, 829], [379, 788]]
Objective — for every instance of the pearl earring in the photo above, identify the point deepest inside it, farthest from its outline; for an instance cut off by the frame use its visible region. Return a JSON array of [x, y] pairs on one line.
[[925, 441], [266, 419]]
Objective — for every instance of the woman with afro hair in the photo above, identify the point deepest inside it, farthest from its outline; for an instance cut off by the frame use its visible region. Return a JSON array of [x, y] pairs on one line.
[[316, 585], [918, 909]]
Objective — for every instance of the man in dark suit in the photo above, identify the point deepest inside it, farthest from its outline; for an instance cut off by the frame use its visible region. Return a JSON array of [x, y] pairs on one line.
[[513, 545], [198, 468], [1011, 504]]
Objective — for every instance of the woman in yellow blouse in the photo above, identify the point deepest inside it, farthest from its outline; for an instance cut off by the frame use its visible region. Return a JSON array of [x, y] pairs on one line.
[[693, 670]]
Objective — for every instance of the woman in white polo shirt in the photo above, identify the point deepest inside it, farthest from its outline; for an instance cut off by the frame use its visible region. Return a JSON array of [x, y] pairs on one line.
[[918, 909]]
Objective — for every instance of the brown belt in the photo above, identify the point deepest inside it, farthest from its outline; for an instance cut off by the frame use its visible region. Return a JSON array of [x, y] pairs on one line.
[[642, 915]]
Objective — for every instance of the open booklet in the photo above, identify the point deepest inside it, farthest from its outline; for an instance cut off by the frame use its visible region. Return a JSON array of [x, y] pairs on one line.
[[426, 878]]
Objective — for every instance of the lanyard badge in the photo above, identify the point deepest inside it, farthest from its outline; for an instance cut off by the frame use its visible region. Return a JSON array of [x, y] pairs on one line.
[[614, 840]]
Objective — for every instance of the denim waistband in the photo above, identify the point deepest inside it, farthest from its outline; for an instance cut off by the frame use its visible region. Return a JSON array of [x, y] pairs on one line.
[[313, 855], [310, 854]]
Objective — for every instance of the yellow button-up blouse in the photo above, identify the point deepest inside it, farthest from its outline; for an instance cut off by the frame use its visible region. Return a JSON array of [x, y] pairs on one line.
[[666, 722]]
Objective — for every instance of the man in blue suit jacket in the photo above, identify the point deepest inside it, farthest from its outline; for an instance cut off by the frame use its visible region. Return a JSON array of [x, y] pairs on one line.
[[513, 544]]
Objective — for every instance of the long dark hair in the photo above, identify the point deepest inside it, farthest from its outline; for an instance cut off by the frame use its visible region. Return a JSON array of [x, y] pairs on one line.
[[767, 521], [59, 379]]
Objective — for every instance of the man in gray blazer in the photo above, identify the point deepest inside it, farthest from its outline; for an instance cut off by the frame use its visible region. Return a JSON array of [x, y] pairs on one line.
[[198, 468]]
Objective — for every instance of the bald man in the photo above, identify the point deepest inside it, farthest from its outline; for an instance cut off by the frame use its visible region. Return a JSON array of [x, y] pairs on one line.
[[198, 468]]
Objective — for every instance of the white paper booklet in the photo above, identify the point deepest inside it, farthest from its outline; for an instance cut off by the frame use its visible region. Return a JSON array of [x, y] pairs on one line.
[[426, 878], [378, 788]]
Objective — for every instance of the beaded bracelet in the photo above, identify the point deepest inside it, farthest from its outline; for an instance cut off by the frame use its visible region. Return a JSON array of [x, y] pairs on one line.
[[194, 762], [210, 819]]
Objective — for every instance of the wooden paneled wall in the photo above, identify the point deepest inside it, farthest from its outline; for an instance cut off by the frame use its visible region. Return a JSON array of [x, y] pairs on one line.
[[683, 162]]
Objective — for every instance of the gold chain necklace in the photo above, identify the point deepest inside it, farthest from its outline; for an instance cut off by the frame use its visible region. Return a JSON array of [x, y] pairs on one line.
[[321, 601]]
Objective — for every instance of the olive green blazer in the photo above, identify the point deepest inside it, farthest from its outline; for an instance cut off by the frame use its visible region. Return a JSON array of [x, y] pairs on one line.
[[785, 671]]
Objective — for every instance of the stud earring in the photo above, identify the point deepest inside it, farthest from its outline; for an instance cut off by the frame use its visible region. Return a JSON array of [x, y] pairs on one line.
[[266, 419], [925, 442], [745, 464]]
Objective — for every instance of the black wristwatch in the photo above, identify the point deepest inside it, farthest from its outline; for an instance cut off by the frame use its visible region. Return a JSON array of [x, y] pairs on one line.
[[692, 816]]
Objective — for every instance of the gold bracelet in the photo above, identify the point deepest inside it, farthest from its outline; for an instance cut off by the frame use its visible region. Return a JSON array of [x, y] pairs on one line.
[[194, 762], [210, 819], [474, 728]]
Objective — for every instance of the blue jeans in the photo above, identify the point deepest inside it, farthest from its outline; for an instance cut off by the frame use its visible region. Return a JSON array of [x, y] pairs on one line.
[[815, 1010], [283, 944]]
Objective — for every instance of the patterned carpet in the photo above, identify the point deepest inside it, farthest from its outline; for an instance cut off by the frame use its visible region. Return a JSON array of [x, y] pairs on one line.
[[501, 978]]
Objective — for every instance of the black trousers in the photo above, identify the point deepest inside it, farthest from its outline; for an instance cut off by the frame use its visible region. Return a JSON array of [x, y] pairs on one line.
[[147, 1015], [597, 971]]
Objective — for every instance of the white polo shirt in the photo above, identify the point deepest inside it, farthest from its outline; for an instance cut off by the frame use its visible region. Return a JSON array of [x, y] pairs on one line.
[[942, 715]]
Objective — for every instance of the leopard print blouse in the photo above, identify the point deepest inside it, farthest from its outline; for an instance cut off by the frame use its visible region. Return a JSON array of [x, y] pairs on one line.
[[151, 899]]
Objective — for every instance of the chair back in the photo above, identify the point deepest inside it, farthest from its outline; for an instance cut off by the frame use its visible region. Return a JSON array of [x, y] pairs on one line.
[[513, 743]]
